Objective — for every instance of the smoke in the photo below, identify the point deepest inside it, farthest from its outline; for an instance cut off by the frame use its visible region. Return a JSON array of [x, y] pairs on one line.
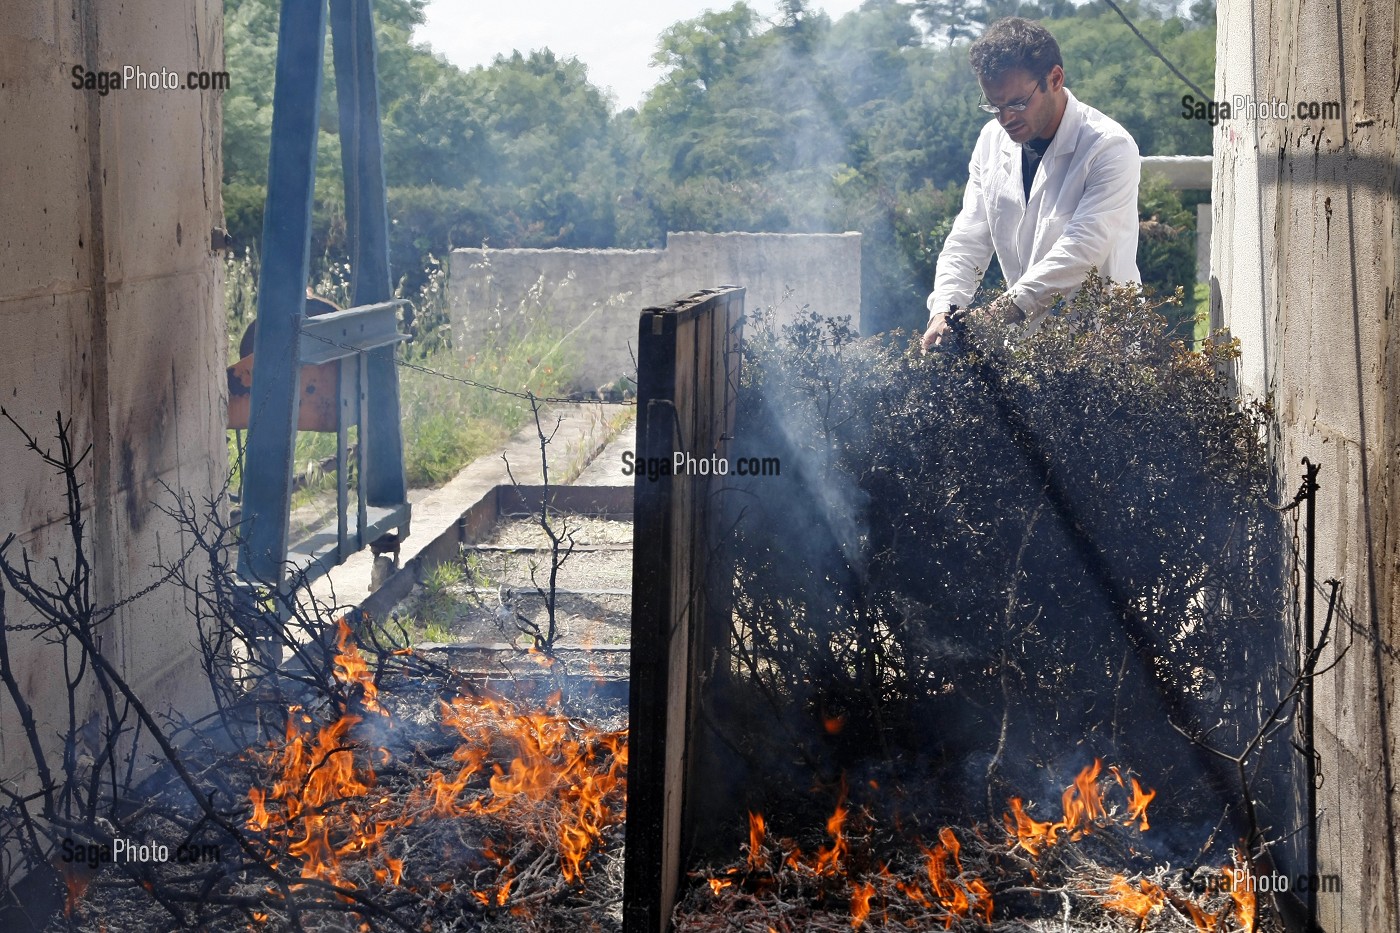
[[997, 564]]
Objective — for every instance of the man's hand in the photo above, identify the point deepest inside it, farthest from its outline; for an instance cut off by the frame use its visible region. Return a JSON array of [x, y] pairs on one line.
[[940, 328], [937, 330]]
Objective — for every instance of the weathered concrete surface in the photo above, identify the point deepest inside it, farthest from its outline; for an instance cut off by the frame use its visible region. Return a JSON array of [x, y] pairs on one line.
[[1304, 269], [111, 315], [594, 296]]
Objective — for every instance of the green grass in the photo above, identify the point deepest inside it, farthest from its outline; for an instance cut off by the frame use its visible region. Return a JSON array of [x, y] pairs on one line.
[[448, 424], [1201, 297]]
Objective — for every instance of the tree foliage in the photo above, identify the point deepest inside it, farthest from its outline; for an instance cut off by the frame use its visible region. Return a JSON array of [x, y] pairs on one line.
[[792, 124]]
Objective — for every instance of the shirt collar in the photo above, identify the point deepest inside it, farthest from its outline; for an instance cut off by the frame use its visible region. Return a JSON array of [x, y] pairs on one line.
[[1066, 134]]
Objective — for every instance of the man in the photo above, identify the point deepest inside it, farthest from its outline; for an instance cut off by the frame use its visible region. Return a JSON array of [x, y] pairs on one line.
[[1052, 186]]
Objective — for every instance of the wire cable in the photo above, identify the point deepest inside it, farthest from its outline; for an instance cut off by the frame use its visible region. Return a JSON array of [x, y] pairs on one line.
[[526, 396], [1155, 51]]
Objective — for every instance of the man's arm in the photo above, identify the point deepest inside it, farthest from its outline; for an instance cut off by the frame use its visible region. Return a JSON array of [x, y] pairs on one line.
[[965, 255], [1107, 210], [967, 251]]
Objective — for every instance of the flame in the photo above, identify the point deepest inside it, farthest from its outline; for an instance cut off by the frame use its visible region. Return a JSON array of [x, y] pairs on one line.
[[861, 893], [555, 780], [1082, 805], [352, 669], [1242, 895], [959, 896], [565, 783], [914, 893], [1030, 834], [75, 884], [719, 884], [1148, 899], [259, 819], [1137, 807], [828, 860], [758, 858]]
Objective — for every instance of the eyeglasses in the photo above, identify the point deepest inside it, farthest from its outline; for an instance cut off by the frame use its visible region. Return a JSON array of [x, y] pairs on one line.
[[1017, 107]]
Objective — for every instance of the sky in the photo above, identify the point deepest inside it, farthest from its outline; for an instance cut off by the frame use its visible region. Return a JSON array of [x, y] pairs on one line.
[[614, 38]]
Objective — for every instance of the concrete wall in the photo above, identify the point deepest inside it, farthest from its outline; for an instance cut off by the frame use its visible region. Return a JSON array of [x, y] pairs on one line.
[[1305, 273], [111, 315], [595, 296]]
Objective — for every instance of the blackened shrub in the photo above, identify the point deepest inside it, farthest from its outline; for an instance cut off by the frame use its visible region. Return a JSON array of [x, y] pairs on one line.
[[991, 563]]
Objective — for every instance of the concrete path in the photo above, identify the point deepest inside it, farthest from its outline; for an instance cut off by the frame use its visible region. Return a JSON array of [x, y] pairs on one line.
[[574, 454], [606, 468]]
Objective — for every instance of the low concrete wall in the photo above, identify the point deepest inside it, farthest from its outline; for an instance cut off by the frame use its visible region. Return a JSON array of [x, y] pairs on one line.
[[595, 296]]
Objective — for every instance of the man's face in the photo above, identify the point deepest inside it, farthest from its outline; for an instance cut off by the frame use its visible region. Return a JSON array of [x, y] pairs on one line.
[[1020, 86]]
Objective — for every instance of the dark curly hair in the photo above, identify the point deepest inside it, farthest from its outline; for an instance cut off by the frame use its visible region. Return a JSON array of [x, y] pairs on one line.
[[1012, 43]]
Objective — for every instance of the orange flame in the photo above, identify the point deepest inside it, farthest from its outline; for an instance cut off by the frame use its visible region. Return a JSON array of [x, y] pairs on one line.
[[75, 884], [758, 859], [959, 896], [1242, 895], [1082, 802], [352, 667], [567, 780], [861, 893], [1149, 898], [1082, 805], [1137, 807], [1030, 834], [828, 860]]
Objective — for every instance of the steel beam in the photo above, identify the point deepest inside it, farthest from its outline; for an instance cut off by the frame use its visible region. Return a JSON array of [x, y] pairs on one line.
[[286, 250]]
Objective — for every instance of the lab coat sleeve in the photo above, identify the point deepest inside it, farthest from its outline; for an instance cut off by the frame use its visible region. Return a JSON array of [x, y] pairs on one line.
[[1107, 212], [967, 251]]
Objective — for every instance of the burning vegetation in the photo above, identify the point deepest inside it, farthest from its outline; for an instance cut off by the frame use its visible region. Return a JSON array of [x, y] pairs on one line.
[[531, 793], [975, 565], [1060, 870], [343, 781]]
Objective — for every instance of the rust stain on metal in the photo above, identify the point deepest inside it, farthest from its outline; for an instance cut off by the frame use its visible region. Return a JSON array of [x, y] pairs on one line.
[[317, 408]]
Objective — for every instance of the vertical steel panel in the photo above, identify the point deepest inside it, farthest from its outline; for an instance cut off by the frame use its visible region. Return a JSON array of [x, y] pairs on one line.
[[382, 481], [651, 605], [291, 174]]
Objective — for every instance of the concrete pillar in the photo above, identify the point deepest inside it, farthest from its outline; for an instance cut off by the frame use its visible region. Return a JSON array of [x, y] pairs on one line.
[[111, 315], [1304, 260]]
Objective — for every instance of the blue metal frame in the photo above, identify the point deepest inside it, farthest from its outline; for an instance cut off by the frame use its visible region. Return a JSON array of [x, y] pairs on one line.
[[362, 337]]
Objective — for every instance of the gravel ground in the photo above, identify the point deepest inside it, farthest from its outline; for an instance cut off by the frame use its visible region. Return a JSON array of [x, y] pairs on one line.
[[491, 597]]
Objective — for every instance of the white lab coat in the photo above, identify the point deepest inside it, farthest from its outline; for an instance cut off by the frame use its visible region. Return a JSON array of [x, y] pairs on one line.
[[1082, 214]]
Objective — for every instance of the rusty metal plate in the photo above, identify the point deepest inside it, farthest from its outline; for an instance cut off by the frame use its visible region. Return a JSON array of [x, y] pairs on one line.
[[319, 388]]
